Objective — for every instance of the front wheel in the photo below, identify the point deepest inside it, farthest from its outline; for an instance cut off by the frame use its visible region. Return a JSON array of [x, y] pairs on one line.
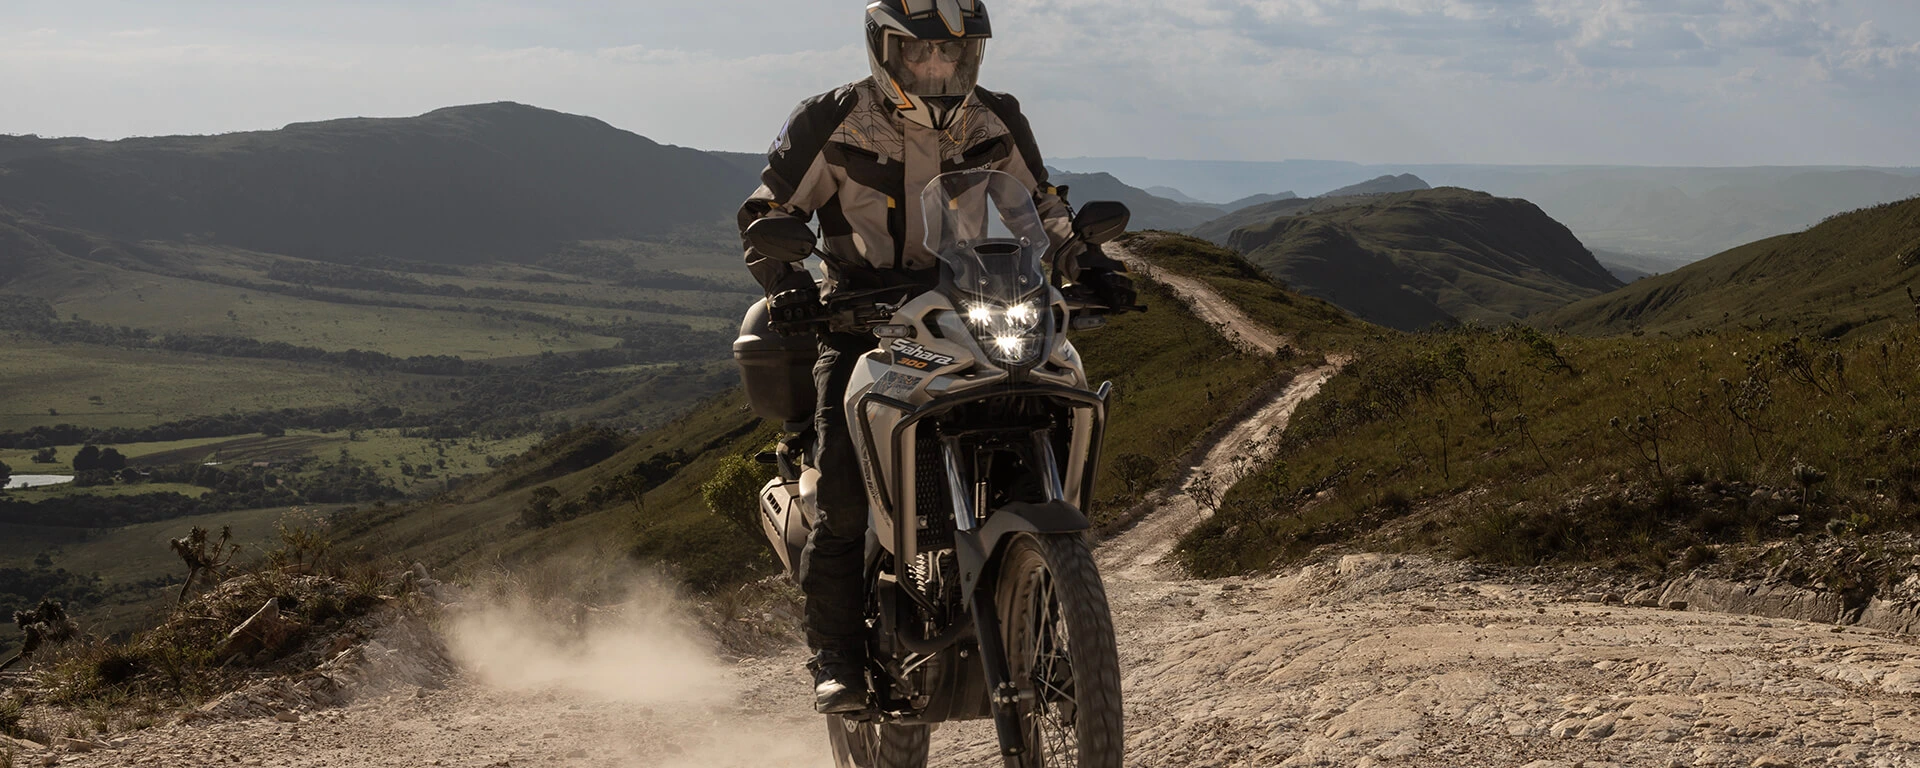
[[859, 744], [1060, 649]]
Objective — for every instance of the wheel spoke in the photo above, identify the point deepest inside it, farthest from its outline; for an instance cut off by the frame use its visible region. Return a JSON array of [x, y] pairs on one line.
[[1049, 668]]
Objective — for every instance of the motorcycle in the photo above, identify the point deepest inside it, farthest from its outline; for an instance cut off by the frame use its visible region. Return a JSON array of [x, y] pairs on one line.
[[978, 435]]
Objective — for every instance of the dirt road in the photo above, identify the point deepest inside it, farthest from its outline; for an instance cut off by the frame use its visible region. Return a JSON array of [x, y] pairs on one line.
[[1367, 660], [1205, 304]]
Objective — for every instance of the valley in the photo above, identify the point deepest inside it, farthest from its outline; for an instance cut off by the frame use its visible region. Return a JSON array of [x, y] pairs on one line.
[[1356, 659]]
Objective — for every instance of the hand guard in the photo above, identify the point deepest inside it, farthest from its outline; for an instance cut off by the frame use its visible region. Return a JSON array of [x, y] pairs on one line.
[[1110, 288], [791, 313]]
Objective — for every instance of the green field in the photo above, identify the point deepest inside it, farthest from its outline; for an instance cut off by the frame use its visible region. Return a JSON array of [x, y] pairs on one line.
[[44, 383], [168, 304], [386, 450], [68, 489], [21, 459]]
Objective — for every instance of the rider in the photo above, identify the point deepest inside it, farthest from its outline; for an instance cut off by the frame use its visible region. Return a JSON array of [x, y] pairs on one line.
[[858, 157]]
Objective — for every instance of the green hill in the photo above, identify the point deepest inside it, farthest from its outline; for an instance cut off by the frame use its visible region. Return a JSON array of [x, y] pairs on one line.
[[458, 185], [1411, 259], [1853, 270], [1382, 185], [1220, 230]]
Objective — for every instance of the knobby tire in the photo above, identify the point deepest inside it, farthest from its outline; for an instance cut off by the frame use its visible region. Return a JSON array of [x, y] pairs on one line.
[[1053, 613]]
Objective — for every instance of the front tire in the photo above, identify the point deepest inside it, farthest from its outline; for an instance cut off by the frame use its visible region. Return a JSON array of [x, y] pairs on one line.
[[859, 744], [1059, 639]]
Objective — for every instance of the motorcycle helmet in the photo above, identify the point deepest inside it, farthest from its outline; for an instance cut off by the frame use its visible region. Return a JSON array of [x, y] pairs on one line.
[[926, 54]]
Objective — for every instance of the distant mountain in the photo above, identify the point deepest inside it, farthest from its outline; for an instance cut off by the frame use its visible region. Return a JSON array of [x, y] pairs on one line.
[[1849, 272], [1225, 179], [463, 184], [1175, 195], [1413, 259], [1149, 211], [751, 162], [1382, 185], [1260, 199], [1682, 213], [1633, 266]]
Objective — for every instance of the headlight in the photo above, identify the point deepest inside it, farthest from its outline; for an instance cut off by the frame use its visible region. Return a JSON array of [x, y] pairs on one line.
[[1010, 334]]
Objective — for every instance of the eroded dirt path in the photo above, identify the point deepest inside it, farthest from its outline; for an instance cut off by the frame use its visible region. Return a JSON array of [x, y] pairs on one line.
[[1139, 553], [1205, 304], [1367, 660]]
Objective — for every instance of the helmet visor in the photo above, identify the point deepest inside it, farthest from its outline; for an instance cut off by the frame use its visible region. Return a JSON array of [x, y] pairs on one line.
[[934, 67]]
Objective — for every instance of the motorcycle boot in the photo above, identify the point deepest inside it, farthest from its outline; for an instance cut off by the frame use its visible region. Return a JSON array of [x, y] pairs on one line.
[[839, 682]]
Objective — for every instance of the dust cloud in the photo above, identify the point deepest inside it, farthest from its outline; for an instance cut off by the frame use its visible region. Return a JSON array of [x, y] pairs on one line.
[[618, 658]]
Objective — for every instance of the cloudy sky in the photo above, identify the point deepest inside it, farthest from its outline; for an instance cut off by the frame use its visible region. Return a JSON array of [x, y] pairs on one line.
[[1673, 82]]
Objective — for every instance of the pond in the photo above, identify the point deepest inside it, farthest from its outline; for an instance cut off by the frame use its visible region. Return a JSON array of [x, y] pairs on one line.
[[36, 481]]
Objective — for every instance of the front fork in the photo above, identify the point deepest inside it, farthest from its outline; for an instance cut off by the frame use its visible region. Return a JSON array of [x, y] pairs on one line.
[[975, 550]]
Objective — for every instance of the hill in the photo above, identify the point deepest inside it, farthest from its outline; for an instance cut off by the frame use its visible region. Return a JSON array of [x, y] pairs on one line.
[[1850, 272], [1149, 211], [1683, 213], [1382, 185], [458, 185], [1412, 259], [1175, 195], [1259, 199], [1220, 230]]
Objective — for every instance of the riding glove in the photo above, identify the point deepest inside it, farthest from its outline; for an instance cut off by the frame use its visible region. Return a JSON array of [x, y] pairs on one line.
[[793, 312], [1110, 288]]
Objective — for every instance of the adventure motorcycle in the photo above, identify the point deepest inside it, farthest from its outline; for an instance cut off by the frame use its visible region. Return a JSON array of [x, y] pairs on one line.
[[978, 436]]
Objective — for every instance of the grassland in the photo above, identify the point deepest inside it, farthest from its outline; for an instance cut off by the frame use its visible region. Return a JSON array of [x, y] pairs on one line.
[[139, 571], [386, 450], [170, 304], [44, 383], [1313, 325], [1522, 448], [1851, 272]]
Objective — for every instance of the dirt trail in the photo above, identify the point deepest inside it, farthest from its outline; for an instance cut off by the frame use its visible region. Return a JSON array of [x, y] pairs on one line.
[[1368, 660], [1137, 554], [1205, 304]]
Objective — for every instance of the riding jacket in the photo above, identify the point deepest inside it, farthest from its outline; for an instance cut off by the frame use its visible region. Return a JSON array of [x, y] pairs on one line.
[[850, 158]]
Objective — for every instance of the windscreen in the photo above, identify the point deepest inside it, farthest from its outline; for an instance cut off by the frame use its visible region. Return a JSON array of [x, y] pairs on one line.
[[983, 225], [984, 228]]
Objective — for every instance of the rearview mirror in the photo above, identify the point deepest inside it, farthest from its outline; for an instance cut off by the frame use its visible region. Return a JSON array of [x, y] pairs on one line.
[[1101, 221], [781, 238]]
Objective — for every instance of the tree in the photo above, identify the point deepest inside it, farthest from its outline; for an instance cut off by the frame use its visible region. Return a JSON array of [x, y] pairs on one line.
[[539, 512], [111, 460], [6, 474], [1138, 472], [87, 459], [732, 493], [47, 455], [203, 556]]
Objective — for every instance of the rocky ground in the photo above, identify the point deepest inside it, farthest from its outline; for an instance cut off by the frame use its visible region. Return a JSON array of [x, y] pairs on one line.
[[1361, 660]]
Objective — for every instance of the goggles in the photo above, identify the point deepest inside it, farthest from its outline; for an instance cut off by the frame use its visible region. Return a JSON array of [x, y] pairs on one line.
[[918, 51]]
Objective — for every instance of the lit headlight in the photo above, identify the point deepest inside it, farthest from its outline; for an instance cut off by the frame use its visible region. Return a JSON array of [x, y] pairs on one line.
[[1009, 334]]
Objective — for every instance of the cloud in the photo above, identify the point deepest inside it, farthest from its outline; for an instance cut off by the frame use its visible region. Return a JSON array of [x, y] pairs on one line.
[[1464, 80]]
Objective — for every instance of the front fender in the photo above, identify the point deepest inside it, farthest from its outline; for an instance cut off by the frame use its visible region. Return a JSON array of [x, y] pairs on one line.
[[977, 550]]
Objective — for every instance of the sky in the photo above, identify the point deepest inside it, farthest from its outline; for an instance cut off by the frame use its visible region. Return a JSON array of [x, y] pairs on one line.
[[1632, 82]]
